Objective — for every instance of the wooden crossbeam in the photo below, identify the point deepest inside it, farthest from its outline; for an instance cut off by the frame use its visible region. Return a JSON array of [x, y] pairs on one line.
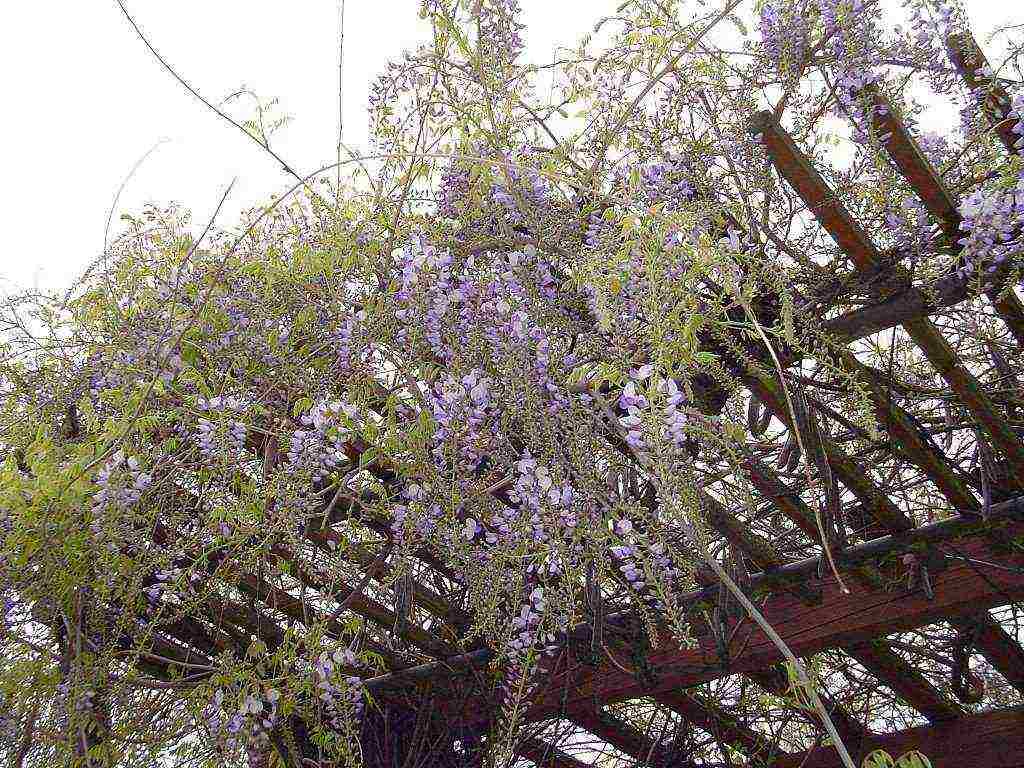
[[768, 389], [938, 199], [715, 720], [824, 204], [880, 661], [545, 755], [909, 441], [625, 738], [907, 682], [968, 531], [971, 63], [907, 304], [999, 648], [988, 740], [776, 681], [841, 619]]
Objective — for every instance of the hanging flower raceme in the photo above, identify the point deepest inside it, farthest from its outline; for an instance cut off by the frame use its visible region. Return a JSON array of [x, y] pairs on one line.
[[121, 482], [317, 448], [242, 718], [784, 37], [221, 432], [992, 225]]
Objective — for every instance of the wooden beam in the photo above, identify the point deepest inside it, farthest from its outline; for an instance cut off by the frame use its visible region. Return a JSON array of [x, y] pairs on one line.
[[999, 648], [970, 62], [841, 619], [907, 304], [776, 681], [545, 755], [625, 738], [938, 199], [968, 529], [833, 216], [989, 740], [716, 721], [905, 681]]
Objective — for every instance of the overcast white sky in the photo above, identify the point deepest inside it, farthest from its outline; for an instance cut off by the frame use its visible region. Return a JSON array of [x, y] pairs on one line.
[[85, 100]]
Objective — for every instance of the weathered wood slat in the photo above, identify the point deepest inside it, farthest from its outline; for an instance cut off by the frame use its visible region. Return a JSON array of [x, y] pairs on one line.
[[841, 619], [907, 682], [989, 740], [833, 216], [936, 196]]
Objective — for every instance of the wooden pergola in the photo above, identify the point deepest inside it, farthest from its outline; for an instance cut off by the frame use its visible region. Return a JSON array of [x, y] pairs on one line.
[[960, 576]]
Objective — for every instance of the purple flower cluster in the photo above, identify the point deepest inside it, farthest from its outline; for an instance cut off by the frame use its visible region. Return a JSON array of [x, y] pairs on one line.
[[634, 403], [416, 518], [121, 482], [250, 721], [534, 491], [224, 434], [911, 227], [529, 636], [343, 341], [784, 37], [426, 294], [464, 413], [1016, 114], [319, 447], [935, 148], [341, 695], [500, 39], [631, 556], [992, 224], [667, 181]]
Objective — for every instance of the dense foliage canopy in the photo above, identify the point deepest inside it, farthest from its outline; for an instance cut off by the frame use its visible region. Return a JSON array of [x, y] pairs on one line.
[[485, 384]]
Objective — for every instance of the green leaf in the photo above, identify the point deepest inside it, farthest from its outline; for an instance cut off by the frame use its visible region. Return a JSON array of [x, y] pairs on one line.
[[878, 759], [913, 759]]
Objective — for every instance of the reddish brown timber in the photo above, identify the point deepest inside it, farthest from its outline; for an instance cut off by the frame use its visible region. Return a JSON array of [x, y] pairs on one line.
[[830, 212], [913, 687], [546, 755], [715, 721], [972, 65], [907, 304], [960, 589], [939, 200], [776, 681], [988, 740], [839, 620], [999, 648], [768, 389], [908, 439], [625, 738], [906, 681]]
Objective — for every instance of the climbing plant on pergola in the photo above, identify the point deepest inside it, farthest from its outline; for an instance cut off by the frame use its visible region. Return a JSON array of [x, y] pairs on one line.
[[657, 406]]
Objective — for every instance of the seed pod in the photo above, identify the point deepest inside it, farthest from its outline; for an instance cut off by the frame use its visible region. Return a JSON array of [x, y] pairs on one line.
[[758, 417], [794, 458], [947, 439], [595, 605], [403, 597], [1009, 378], [789, 450], [926, 583], [1002, 367]]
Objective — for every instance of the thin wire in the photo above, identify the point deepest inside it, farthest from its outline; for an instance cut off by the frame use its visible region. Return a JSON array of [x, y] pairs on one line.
[[341, 101]]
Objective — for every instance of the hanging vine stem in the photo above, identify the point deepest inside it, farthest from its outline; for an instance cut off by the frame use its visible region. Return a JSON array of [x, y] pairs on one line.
[[734, 289], [752, 610]]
